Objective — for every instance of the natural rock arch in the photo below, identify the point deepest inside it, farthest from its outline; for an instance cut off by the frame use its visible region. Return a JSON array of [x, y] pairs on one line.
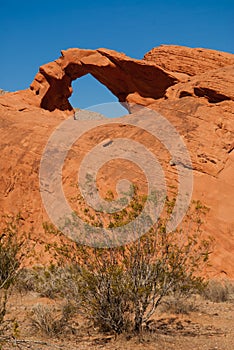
[[206, 128], [130, 80], [88, 91]]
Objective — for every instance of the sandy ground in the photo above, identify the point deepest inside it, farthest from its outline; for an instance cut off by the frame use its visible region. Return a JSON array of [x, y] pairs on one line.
[[210, 327]]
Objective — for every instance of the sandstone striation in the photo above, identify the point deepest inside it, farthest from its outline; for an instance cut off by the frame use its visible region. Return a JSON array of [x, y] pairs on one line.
[[187, 60]]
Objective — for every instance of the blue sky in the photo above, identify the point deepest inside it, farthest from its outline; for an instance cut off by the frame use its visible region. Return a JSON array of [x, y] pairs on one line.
[[33, 33]]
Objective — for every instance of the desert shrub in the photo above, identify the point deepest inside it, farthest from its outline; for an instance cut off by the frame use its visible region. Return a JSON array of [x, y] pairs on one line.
[[10, 256], [218, 291], [26, 280], [47, 281], [120, 288], [49, 320], [51, 281], [76, 284], [126, 284], [178, 304], [104, 296]]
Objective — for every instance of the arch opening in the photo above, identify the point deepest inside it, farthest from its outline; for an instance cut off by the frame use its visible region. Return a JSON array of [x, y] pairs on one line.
[[89, 93], [131, 81]]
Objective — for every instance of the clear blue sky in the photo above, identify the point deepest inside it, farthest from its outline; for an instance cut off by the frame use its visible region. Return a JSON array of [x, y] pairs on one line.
[[33, 33]]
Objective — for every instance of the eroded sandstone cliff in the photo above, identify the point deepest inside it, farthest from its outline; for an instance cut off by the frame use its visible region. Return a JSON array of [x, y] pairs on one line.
[[192, 88]]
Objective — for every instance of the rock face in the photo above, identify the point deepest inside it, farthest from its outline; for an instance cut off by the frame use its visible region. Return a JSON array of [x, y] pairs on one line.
[[188, 61], [126, 78], [192, 88]]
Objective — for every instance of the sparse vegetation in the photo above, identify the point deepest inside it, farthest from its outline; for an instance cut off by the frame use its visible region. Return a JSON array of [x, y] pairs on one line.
[[120, 288], [219, 291], [50, 320], [10, 255], [47, 281], [178, 304]]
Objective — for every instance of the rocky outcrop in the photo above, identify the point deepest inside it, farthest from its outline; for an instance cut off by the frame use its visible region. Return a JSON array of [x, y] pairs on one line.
[[187, 60], [192, 88], [138, 81], [215, 86], [130, 80]]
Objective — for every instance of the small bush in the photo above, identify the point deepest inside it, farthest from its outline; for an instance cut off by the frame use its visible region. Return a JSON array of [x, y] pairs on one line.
[[177, 304], [218, 291], [10, 256], [47, 281], [49, 320], [120, 288], [50, 281], [105, 295], [123, 286]]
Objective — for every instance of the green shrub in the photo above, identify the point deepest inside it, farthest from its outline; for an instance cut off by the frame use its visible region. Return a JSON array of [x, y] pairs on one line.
[[122, 287], [47, 281]]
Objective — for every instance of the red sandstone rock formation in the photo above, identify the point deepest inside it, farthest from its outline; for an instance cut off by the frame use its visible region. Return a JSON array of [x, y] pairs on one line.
[[192, 88], [123, 76], [188, 61]]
